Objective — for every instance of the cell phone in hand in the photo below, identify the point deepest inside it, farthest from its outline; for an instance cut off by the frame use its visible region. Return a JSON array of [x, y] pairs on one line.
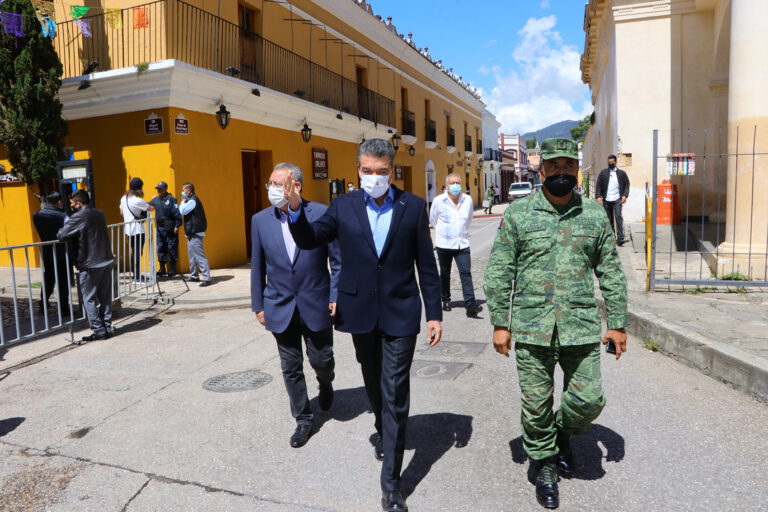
[[610, 348]]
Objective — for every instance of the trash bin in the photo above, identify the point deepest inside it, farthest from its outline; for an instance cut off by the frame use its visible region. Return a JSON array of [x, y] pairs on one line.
[[666, 203]]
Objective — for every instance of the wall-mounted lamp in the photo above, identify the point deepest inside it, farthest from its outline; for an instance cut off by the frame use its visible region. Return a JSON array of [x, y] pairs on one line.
[[84, 85], [306, 132], [339, 117], [91, 67], [222, 116], [232, 70], [396, 141], [255, 92], [411, 151]]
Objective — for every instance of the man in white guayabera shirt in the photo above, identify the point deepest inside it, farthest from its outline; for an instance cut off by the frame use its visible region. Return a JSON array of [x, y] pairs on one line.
[[450, 215], [612, 192]]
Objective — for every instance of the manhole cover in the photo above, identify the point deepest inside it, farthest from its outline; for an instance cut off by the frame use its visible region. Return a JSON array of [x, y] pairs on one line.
[[237, 381], [437, 370]]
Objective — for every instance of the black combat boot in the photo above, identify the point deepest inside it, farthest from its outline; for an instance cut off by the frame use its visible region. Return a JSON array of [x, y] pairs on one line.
[[546, 483], [172, 269], [565, 462], [160, 269]]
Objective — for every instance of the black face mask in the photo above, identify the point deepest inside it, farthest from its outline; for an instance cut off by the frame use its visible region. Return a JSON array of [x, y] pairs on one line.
[[612, 166], [560, 184]]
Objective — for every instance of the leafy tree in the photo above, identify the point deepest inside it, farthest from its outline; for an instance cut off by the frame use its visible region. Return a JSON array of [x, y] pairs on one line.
[[31, 127], [579, 131], [531, 143]]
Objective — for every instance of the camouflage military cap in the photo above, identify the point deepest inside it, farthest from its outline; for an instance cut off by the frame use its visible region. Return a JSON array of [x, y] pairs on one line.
[[556, 148]]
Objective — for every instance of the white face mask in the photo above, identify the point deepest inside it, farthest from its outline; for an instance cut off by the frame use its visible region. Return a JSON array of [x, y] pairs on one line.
[[277, 197], [374, 185]]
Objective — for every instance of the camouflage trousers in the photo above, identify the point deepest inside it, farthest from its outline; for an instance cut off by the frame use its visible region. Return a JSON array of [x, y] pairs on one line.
[[582, 399]]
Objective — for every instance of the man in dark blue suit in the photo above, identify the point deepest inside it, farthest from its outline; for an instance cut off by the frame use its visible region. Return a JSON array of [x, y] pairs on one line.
[[383, 234], [293, 296]]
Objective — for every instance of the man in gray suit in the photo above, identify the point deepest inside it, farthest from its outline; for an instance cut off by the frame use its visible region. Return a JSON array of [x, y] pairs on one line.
[[279, 270], [87, 228]]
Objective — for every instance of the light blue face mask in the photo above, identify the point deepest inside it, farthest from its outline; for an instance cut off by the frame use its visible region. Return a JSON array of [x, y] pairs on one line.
[[183, 194], [454, 189]]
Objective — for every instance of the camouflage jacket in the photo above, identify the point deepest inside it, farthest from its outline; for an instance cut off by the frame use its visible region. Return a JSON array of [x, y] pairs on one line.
[[550, 259]]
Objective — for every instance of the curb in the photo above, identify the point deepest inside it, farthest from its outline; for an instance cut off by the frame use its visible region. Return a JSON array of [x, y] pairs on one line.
[[728, 364]]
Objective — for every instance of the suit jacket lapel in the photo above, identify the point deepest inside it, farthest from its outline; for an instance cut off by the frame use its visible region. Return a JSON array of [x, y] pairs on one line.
[[359, 206], [397, 215]]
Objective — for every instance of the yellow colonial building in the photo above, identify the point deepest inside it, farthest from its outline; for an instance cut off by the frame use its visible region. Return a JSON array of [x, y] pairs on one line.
[[695, 70], [332, 68]]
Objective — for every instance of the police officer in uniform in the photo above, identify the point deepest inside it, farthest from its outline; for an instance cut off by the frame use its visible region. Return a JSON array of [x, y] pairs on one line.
[[168, 221], [549, 245]]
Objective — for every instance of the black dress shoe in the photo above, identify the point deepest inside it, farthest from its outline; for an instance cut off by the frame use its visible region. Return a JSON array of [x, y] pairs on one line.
[[301, 435], [378, 449], [565, 463], [546, 483], [446, 306], [94, 337], [205, 283], [393, 501], [325, 397], [473, 311], [191, 279]]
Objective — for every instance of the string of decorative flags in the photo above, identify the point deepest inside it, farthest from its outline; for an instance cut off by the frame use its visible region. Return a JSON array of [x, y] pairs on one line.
[[45, 13]]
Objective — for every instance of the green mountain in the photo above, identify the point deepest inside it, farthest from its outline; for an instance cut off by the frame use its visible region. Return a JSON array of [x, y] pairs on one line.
[[560, 130]]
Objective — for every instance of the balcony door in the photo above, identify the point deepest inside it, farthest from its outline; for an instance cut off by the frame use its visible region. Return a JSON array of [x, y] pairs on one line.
[[256, 170], [249, 44], [363, 107]]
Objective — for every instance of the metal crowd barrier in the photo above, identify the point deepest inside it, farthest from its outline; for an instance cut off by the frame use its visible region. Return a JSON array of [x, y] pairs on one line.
[[25, 313]]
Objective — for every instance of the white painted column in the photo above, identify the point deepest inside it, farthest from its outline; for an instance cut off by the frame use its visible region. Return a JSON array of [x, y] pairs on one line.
[[747, 207]]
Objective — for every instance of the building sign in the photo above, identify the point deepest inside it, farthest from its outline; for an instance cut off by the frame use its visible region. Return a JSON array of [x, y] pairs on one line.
[[398, 173], [153, 125], [181, 125], [319, 164], [681, 164]]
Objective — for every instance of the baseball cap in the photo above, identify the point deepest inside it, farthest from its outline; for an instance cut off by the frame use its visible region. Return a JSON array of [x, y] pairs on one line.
[[162, 184], [556, 148], [136, 184]]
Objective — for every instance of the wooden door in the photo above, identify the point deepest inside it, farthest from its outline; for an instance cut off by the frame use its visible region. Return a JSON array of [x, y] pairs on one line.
[[252, 194]]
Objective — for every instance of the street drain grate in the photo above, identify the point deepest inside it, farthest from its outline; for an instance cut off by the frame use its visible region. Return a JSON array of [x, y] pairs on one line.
[[237, 381]]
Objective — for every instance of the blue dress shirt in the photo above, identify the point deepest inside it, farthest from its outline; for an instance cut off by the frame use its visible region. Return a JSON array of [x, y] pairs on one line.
[[379, 218]]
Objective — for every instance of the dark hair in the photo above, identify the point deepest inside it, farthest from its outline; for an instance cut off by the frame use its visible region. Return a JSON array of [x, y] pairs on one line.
[[377, 148], [53, 198], [190, 186], [81, 196], [612, 156]]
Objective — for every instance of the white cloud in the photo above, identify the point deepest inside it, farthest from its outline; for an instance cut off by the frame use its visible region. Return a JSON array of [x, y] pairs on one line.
[[545, 4], [491, 43], [484, 70], [545, 85]]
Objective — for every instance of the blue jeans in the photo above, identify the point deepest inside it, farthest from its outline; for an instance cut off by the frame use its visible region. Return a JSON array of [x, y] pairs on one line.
[[464, 264]]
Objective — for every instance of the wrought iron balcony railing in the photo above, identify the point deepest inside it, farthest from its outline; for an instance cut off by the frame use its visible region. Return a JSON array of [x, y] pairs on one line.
[[430, 131], [173, 29], [409, 123]]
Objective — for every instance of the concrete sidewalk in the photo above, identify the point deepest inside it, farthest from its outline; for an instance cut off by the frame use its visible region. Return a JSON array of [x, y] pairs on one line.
[[721, 332]]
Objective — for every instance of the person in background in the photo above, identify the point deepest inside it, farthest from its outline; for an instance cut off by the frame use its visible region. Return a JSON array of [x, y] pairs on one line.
[[489, 193], [430, 195], [612, 191], [279, 270], [87, 228], [195, 226], [168, 222], [48, 221], [451, 215], [350, 187], [135, 208]]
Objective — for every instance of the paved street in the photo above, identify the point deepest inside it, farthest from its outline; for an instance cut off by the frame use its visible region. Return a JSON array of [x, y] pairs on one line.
[[131, 424]]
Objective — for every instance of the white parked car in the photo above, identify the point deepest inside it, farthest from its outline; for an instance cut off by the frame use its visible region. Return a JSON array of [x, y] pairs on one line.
[[520, 190]]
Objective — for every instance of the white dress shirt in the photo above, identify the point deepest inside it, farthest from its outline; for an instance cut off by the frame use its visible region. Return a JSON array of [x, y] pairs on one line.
[[613, 187], [451, 221]]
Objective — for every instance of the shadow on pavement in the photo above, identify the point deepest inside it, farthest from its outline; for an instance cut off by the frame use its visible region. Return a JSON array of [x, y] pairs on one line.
[[139, 325], [348, 404], [586, 452], [8, 425], [431, 436]]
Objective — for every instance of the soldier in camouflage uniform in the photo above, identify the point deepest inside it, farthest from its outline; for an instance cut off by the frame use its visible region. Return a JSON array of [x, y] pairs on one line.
[[549, 245]]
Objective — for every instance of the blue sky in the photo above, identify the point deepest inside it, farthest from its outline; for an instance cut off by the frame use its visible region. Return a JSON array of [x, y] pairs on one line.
[[523, 55]]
